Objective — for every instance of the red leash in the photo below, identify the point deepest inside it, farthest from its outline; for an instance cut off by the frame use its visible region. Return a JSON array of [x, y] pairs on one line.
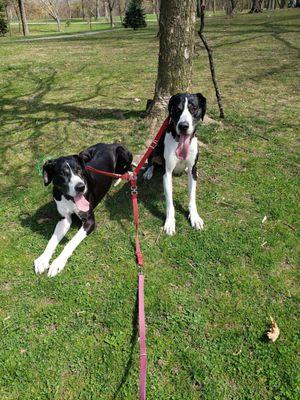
[[132, 177]]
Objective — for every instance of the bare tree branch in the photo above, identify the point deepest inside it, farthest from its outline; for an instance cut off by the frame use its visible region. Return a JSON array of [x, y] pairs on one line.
[[210, 57]]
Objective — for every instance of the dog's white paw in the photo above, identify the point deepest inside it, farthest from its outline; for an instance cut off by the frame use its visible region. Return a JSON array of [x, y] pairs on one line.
[[196, 221], [41, 264], [148, 173], [56, 267], [169, 227]]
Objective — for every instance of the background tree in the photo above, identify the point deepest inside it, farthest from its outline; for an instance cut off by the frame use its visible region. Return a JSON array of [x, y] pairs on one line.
[[134, 16], [23, 18], [3, 19], [52, 8], [231, 7], [110, 7], [256, 6], [176, 52]]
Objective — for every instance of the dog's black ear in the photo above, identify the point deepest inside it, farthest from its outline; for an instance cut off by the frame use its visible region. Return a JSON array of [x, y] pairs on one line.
[[202, 104], [48, 171], [124, 159], [172, 102], [86, 155], [80, 160]]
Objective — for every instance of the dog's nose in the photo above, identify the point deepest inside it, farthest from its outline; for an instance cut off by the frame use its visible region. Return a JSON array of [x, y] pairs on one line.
[[80, 187], [183, 126]]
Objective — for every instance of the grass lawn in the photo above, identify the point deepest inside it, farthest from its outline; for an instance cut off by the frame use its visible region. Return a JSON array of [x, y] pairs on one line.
[[49, 27], [209, 294]]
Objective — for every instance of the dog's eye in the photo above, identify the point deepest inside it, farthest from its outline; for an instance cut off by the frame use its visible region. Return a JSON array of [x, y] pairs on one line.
[[192, 108]]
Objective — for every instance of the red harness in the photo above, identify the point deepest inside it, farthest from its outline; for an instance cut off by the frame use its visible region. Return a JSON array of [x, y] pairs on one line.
[[132, 177]]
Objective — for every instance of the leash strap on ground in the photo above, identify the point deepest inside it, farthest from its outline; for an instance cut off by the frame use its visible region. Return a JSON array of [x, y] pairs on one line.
[[132, 177]]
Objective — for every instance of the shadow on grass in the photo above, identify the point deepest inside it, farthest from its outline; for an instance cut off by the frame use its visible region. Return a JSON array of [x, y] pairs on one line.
[[150, 195], [133, 340], [44, 220], [25, 116]]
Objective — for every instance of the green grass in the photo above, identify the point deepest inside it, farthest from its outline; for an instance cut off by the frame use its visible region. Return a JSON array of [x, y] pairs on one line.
[[45, 27], [208, 294]]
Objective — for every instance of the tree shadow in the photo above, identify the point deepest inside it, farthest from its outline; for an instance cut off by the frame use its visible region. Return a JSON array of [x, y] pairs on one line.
[[25, 116], [150, 195], [133, 340], [44, 220]]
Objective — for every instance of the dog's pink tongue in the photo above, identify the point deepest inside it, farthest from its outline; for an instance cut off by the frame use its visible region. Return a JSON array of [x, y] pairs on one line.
[[183, 148], [82, 203]]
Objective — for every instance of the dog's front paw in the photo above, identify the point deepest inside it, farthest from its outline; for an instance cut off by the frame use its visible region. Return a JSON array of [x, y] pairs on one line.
[[196, 221], [169, 227], [148, 173], [56, 267], [41, 264]]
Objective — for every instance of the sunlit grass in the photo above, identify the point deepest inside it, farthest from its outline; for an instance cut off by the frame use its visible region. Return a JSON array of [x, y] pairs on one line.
[[208, 294]]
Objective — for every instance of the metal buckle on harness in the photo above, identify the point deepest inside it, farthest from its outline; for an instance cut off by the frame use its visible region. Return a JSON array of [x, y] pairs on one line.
[[134, 190]]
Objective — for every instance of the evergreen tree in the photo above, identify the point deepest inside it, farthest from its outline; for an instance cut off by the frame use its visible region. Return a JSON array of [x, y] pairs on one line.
[[3, 21], [134, 16]]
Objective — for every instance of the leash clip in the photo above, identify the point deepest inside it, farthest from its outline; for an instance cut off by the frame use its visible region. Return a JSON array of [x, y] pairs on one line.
[[134, 190]]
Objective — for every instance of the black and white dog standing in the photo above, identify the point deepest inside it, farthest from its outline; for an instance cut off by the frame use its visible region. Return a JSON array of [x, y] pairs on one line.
[[178, 150], [76, 190]]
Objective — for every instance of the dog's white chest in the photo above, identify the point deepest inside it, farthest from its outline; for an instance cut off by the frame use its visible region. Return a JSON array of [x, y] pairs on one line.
[[178, 166], [66, 207]]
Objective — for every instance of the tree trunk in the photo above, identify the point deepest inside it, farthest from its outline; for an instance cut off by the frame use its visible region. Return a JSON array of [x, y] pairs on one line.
[[230, 7], [256, 6], [110, 9], [7, 17], [23, 17], [82, 8], [120, 11], [176, 51], [69, 9], [97, 16], [58, 24]]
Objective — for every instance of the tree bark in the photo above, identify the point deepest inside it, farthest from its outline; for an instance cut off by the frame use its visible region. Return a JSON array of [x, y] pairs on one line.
[[69, 9], [58, 24], [176, 51], [25, 28], [83, 10], [97, 11], [256, 6], [111, 4]]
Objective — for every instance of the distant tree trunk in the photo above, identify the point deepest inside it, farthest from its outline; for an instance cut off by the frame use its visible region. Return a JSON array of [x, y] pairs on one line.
[[110, 4], [58, 24], [17, 11], [23, 17], [82, 9], [120, 11], [69, 9], [7, 17], [256, 6], [97, 13], [231, 7], [156, 9], [176, 51]]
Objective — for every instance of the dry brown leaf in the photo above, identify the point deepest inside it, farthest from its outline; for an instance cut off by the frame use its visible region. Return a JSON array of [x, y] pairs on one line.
[[43, 219], [274, 331]]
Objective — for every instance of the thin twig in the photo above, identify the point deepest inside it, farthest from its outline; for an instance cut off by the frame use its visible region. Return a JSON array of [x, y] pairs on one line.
[[210, 57]]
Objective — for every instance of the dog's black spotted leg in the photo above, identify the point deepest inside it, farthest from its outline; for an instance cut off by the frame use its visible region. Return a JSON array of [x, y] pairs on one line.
[[194, 169]]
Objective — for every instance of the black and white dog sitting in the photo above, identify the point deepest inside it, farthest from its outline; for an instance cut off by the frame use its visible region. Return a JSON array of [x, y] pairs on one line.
[[177, 150], [76, 190]]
